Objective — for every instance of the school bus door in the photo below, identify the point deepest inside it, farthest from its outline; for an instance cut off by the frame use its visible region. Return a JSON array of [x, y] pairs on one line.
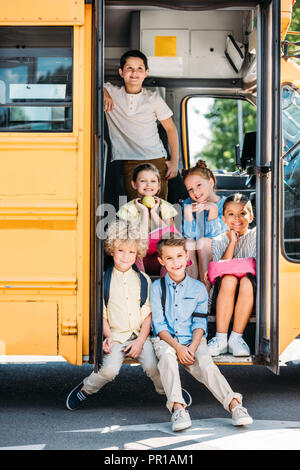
[[278, 302], [289, 247], [45, 148]]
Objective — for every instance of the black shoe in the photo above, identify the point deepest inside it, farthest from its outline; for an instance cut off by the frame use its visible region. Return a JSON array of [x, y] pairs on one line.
[[76, 398], [186, 396]]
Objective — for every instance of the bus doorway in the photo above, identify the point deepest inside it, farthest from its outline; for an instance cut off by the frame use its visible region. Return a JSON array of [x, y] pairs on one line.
[[203, 66]]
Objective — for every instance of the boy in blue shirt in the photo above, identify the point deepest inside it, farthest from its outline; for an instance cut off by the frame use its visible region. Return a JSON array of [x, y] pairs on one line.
[[179, 319]]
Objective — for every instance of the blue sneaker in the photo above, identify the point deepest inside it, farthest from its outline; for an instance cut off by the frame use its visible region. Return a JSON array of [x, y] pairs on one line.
[[76, 397], [186, 396]]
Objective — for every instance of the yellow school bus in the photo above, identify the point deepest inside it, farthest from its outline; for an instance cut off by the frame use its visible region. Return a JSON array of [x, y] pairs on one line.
[[56, 172]]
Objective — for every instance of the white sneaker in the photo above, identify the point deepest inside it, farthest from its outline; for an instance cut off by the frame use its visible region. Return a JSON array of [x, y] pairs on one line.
[[238, 347], [217, 346], [180, 420], [240, 416]]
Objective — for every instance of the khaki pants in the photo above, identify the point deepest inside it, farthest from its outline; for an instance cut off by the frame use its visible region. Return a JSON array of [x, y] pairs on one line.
[[112, 364], [204, 370], [129, 167]]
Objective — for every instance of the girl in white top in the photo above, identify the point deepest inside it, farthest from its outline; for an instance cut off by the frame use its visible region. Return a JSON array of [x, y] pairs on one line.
[[153, 221], [238, 242]]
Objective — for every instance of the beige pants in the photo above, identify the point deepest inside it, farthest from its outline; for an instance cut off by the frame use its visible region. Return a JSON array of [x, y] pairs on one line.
[[112, 364], [204, 370]]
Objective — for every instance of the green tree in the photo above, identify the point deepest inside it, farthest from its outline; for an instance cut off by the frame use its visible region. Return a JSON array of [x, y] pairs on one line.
[[295, 26], [220, 151], [223, 116]]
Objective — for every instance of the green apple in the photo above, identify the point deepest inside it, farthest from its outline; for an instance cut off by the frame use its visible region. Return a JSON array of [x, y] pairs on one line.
[[148, 201]]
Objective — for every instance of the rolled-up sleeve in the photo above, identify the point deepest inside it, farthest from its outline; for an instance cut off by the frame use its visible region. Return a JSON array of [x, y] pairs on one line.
[[199, 317], [158, 318], [213, 228], [189, 229]]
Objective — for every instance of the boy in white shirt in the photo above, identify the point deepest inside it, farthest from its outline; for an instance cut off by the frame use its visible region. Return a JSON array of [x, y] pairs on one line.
[[132, 113]]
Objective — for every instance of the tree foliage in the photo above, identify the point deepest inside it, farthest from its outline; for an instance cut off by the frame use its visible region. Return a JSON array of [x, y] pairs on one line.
[[223, 117]]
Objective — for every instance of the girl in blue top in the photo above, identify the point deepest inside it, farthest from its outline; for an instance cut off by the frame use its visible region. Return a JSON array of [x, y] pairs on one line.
[[202, 217]]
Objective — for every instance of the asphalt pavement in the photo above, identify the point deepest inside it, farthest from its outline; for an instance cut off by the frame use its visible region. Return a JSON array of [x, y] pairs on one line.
[[128, 414]]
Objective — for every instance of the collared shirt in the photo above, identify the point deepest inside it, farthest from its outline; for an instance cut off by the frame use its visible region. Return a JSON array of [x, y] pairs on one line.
[[244, 248], [132, 124], [123, 312], [185, 301], [201, 227]]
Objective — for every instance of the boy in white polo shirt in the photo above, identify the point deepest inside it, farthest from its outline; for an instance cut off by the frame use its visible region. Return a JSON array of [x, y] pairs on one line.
[[132, 113]]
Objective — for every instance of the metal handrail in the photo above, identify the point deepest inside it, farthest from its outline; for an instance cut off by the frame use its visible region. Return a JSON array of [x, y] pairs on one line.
[[283, 157]]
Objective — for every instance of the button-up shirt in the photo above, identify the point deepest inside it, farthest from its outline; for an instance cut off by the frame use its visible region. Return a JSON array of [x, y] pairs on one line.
[[124, 314], [185, 308]]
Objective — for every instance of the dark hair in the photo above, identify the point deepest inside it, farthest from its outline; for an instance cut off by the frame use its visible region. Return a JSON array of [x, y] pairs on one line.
[[134, 53], [199, 169], [240, 199], [145, 167], [172, 240]]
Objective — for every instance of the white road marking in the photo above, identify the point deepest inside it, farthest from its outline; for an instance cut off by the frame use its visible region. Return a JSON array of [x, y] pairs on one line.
[[28, 447], [216, 433]]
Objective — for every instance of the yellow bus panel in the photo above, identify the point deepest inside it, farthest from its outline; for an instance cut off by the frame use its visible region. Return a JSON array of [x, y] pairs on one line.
[[45, 190], [26, 323], [37, 12]]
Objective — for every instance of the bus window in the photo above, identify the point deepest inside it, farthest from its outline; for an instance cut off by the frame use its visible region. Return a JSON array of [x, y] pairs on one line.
[[36, 79], [291, 171], [215, 126]]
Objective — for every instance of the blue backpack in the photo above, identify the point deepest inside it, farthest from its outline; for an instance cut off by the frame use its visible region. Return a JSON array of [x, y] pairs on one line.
[[107, 280]]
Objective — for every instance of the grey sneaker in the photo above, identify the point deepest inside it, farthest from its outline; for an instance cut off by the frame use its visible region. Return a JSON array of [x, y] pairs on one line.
[[238, 347], [240, 416], [180, 420], [217, 346]]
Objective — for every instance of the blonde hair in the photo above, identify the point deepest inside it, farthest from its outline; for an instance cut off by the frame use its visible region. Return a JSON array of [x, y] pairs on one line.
[[124, 232], [199, 169]]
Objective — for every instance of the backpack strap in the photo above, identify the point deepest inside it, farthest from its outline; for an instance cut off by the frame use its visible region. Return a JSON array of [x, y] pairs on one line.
[[106, 283], [163, 294], [200, 315], [144, 285]]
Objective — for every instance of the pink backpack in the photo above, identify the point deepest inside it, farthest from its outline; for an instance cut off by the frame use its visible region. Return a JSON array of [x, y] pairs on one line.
[[156, 235], [238, 267]]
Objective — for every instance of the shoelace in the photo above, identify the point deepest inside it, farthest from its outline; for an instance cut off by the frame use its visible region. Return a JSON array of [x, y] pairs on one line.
[[215, 340], [242, 341], [178, 414], [240, 410]]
